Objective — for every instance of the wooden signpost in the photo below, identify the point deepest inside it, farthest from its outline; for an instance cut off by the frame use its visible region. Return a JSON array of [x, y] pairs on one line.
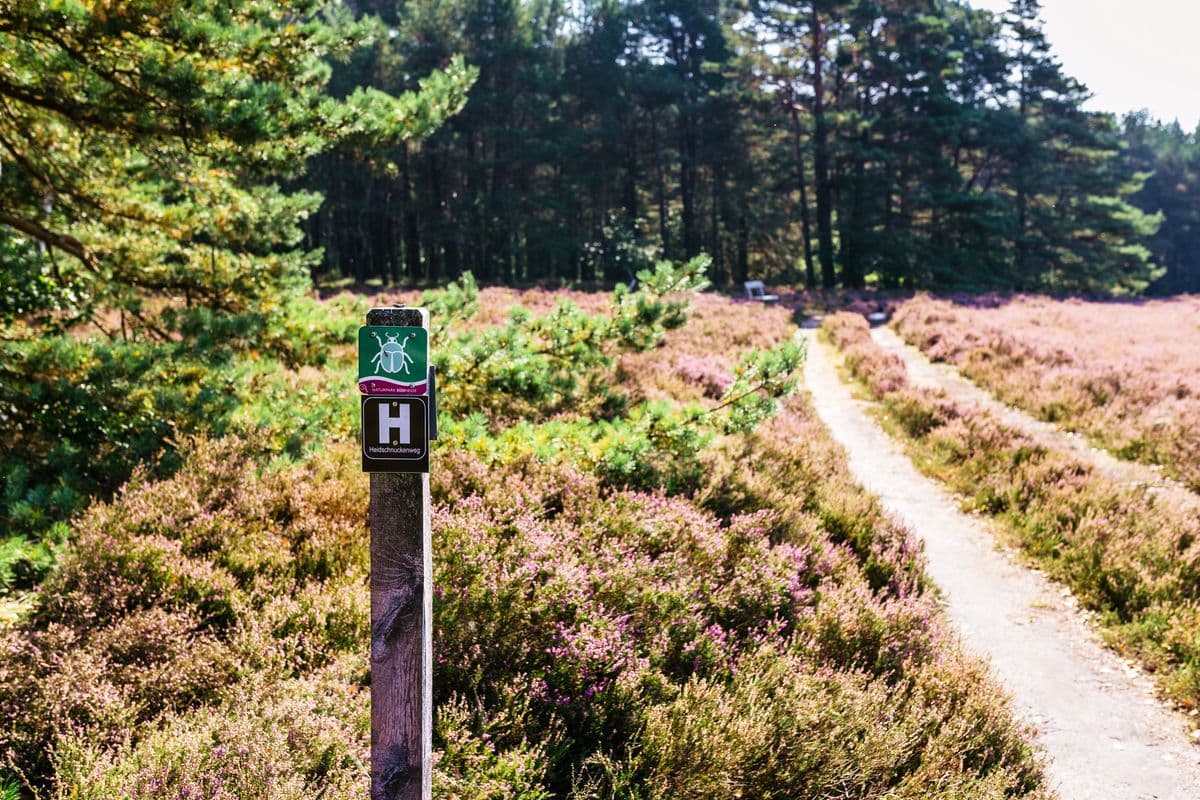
[[397, 422]]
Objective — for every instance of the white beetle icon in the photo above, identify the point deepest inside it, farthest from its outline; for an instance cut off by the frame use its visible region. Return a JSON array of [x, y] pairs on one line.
[[392, 356]]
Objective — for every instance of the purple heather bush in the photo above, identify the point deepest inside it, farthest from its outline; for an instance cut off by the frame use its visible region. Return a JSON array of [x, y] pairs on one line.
[[768, 631], [599, 608], [883, 372], [781, 729]]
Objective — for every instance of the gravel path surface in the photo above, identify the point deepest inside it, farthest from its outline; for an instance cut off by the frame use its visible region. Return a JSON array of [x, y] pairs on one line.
[[925, 373], [1105, 734]]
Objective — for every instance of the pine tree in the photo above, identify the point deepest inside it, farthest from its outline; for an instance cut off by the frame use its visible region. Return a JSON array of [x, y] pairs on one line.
[[142, 144], [915, 143], [1074, 229], [1170, 158]]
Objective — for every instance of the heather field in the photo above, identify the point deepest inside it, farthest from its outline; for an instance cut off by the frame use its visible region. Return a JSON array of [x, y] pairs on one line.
[[654, 578], [653, 563], [1126, 555], [1125, 374]]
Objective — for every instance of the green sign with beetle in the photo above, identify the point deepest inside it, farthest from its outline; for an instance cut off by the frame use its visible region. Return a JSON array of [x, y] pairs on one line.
[[393, 360]]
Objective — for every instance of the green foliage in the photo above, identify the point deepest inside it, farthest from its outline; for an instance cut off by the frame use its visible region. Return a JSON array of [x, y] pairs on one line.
[[650, 446], [24, 562], [769, 134], [144, 143], [762, 376], [452, 304], [535, 367], [32, 287], [544, 386], [1166, 161], [298, 330], [79, 416], [1072, 227], [645, 314]]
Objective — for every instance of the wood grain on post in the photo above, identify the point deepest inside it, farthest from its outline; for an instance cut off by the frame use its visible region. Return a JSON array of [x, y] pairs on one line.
[[401, 621]]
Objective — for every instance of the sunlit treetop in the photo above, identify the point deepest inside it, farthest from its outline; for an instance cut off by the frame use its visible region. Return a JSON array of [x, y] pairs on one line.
[[139, 142]]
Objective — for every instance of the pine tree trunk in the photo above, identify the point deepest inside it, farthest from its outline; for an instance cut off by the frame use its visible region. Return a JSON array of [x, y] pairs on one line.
[[852, 244], [629, 189], [663, 219], [434, 240], [821, 158], [718, 182], [687, 186], [412, 235], [810, 273], [743, 256]]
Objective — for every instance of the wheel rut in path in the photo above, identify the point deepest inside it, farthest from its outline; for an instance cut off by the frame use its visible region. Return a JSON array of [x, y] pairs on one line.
[[1105, 734], [924, 373]]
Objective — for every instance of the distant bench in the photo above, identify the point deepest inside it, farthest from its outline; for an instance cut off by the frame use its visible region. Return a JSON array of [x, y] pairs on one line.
[[755, 291]]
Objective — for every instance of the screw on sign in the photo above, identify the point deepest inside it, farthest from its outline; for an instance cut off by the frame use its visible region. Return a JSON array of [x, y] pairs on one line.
[[397, 420]]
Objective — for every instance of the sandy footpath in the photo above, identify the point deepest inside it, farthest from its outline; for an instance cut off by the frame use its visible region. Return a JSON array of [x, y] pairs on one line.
[[1105, 734]]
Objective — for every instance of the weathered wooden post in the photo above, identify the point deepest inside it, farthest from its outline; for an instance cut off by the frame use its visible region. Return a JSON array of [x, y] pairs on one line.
[[396, 382]]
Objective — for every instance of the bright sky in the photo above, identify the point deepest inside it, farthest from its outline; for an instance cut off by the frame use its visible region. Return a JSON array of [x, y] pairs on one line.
[[1132, 54]]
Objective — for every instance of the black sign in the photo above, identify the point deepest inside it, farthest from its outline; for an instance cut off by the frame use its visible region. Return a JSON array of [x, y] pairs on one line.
[[395, 434]]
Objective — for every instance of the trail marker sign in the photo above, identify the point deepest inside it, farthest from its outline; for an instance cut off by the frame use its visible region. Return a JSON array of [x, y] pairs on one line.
[[395, 434], [397, 384], [393, 359]]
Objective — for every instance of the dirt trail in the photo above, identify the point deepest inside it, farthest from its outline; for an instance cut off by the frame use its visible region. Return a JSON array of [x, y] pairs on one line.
[[1106, 735], [925, 373]]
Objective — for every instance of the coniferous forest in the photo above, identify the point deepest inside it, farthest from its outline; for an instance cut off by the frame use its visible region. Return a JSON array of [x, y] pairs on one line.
[[898, 144], [913, 143]]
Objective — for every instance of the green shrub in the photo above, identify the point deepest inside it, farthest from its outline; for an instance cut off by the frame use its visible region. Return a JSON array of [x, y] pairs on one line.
[[78, 417]]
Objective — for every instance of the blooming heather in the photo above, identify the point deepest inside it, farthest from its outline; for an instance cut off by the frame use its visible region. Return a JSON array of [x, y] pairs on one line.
[[1127, 374], [769, 631]]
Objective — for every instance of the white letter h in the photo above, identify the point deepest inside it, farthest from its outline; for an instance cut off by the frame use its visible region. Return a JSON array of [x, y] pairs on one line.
[[402, 423]]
